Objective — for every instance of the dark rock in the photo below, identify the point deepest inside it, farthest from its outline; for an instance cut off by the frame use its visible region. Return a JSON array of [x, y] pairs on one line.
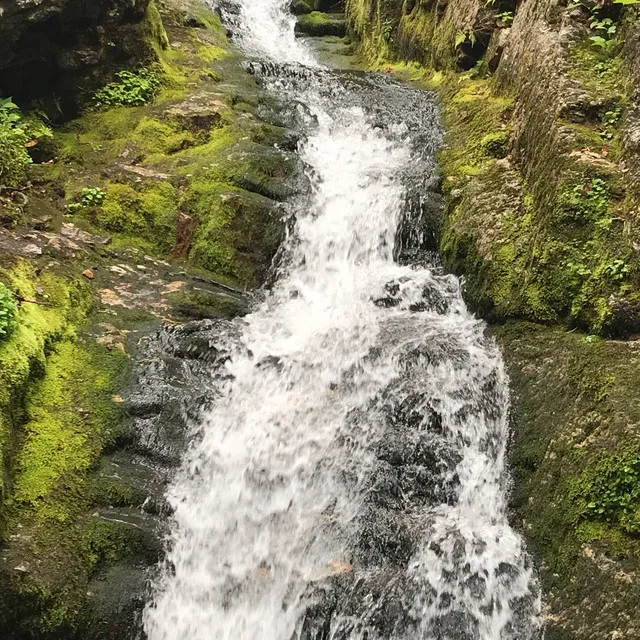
[[61, 50]]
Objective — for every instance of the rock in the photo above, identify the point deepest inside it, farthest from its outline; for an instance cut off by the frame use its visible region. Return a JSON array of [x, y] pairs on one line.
[[199, 112], [70, 231], [87, 273], [144, 172], [63, 46], [321, 24], [31, 250], [42, 224], [300, 7], [184, 235]]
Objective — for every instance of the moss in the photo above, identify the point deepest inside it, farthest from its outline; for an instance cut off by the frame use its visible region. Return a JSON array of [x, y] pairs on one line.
[[196, 302], [317, 23], [158, 34], [495, 144], [238, 230], [149, 210], [23, 355], [157, 137], [575, 437], [69, 416]]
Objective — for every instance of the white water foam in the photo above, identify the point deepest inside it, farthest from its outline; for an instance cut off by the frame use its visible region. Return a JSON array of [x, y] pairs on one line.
[[262, 508]]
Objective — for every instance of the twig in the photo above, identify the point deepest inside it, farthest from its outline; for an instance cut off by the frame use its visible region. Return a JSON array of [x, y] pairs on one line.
[[20, 299]]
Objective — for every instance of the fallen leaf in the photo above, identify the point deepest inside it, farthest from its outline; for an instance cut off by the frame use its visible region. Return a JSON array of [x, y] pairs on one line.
[[87, 273]]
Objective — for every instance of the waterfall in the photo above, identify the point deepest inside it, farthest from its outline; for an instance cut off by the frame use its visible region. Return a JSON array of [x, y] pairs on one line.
[[350, 483]]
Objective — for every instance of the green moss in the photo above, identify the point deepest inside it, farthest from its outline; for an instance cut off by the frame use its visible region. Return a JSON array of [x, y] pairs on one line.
[[68, 415], [157, 137], [238, 230], [23, 355], [317, 23], [150, 210], [574, 456], [157, 31], [495, 144]]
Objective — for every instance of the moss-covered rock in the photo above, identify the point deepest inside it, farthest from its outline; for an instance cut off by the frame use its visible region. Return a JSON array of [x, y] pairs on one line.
[[575, 459], [317, 23]]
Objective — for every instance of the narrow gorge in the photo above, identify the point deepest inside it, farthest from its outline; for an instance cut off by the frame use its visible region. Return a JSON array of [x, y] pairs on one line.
[[318, 320]]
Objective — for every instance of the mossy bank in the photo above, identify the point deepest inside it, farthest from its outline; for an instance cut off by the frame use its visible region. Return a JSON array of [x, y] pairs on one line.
[[540, 179], [147, 194]]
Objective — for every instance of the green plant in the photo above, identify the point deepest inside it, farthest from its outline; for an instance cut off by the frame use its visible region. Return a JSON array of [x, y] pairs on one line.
[[612, 117], [14, 157], [74, 207], [506, 18], [131, 90], [8, 308], [464, 36], [386, 30], [603, 24], [616, 270], [92, 197], [611, 491], [17, 134]]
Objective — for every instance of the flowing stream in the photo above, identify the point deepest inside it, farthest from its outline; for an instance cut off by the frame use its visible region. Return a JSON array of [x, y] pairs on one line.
[[350, 482]]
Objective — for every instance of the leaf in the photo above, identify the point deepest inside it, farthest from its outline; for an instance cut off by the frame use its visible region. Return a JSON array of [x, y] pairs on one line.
[[461, 37], [626, 2], [598, 41]]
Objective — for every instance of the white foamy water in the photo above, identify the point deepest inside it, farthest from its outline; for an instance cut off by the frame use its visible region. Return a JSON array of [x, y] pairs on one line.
[[351, 483]]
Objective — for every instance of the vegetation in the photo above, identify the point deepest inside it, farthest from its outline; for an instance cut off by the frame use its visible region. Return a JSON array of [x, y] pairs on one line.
[[132, 89], [140, 154], [317, 23], [610, 491], [17, 135], [8, 308]]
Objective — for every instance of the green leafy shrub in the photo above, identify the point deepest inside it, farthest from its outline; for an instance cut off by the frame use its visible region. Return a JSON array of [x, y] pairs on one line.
[[131, 90], [92, 196], [14, 158], [17, 134], [611, 491], [8, 308]]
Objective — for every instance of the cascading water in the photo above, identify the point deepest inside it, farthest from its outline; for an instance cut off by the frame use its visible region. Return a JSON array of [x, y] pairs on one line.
[[350, 483]]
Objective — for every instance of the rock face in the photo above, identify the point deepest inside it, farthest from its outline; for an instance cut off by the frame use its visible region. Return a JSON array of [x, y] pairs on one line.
[[549, 115], [541, 176], [60, 48]]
